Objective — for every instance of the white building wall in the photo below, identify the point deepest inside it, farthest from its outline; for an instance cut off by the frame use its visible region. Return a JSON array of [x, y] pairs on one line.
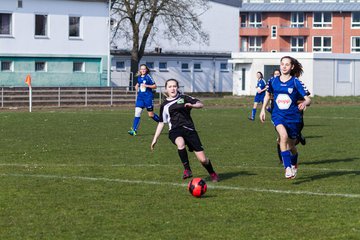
[[94, 30], [255, 61], [221, 21], [325, 74], [209, 79]]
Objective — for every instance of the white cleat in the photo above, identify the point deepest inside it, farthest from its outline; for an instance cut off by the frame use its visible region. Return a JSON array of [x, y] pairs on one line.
[[289, 173], [294, 169]]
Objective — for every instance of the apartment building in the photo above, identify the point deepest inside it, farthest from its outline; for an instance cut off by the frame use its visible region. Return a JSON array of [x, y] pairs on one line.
[[300, 26], [324, 35], [59, 43]]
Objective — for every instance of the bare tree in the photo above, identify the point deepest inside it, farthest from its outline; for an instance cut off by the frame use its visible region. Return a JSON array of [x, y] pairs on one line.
[[138, 22]]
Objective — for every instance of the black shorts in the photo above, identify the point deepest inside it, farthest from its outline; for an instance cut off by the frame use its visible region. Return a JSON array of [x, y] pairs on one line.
[[191, 138]]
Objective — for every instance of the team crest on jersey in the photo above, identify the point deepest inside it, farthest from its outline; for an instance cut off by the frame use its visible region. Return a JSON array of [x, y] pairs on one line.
[[290, 90], [180, 101]]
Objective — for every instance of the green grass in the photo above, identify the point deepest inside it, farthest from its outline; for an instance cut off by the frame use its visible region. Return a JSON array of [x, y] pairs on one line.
[[77, 174]]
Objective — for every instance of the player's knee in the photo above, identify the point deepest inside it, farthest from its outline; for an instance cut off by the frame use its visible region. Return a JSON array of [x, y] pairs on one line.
[[138, 112]]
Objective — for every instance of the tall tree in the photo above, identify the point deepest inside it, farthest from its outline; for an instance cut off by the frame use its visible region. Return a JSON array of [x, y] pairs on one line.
[[139, 21]]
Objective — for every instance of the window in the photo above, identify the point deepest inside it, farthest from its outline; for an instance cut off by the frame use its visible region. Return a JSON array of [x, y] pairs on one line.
[[40, 25], [197, 67], [355, 20], [297, 44], [355, 44], [120, 65], [6, 66], [224, 67], [185, 67], [322, 20], [273, 32], [255, 20], [40, 66], [297, 20], [20, 3], [243, 20], [150, 65], [78, 67], [322, 44], [255, 44], [74, 27], [5, 24], [163, 66]]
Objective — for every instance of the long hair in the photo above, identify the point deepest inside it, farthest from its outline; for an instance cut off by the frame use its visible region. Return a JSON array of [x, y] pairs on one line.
[[297, 71], [261, 75], [147, 70]]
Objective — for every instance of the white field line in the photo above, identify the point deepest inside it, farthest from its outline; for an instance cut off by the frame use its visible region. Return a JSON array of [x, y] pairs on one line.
[[211, 186], [166, 165]]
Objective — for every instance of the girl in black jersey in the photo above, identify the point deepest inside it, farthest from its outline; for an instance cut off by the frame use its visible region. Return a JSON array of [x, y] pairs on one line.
[[175, 110]]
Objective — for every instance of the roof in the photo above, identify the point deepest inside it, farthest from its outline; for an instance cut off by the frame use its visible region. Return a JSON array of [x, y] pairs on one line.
[[233, 3], [300, 7], [123, 52]]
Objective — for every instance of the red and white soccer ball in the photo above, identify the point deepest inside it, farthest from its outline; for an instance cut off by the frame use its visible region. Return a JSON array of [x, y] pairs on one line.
[[197, 187]]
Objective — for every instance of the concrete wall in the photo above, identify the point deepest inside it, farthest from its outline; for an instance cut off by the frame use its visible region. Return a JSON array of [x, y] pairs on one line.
[[325, 74], [209, 79], [337, 75], [57, 49], [94, 28], [221, 22], [254, 62]]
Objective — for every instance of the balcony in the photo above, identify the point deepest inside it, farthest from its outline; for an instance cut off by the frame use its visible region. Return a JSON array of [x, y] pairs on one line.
[[254, 31], [293, 31]]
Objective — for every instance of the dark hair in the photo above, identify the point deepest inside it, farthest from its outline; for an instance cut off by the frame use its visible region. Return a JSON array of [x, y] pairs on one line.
[[276, 70], [297, 71], [172, 79], [261, 75], [147, 69]]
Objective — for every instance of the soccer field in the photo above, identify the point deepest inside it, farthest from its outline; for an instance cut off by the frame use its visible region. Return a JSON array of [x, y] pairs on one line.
[[77, 174]]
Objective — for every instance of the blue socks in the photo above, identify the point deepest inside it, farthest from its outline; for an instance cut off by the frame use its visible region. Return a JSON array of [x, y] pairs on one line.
[[294, 159], [136, 123], [253, 113], [286, 157], [156, 117]]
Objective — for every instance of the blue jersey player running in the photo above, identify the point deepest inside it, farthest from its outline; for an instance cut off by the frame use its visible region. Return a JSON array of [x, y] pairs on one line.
[[287, 113], [260, 94], [144, 86]]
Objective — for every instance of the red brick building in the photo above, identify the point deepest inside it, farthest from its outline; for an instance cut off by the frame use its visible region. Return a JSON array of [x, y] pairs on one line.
[[300, 26]]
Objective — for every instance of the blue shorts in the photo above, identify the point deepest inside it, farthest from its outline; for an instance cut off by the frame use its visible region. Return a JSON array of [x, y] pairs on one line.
[[293, 129], [145, 102], [259, 98]]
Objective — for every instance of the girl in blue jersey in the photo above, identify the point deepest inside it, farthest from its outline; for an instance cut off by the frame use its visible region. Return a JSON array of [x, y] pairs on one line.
[[287, 113], [175, 110], [260, 94], [144, 88]]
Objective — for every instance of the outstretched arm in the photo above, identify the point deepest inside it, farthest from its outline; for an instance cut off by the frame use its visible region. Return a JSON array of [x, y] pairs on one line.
[[196, 105], [158, 131]]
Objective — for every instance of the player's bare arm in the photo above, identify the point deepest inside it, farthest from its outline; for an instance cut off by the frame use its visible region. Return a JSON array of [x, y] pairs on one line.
[[158, 131]]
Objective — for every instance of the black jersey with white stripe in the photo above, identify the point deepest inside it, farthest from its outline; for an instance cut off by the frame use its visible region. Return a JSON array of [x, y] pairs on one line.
[[174, 112]]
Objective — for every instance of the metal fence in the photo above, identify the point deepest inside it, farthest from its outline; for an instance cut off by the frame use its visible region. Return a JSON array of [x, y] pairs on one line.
[[66, 96], [71, 96]]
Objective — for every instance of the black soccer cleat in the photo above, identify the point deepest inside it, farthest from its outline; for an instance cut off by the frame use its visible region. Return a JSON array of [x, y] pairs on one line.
[[301, 139]]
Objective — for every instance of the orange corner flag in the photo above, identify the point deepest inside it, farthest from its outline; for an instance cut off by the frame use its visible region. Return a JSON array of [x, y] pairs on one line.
[[28, 80]]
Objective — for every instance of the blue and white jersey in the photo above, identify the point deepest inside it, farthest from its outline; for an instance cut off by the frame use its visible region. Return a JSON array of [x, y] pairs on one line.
[[261, 84], [286, 94], [144, 91]]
